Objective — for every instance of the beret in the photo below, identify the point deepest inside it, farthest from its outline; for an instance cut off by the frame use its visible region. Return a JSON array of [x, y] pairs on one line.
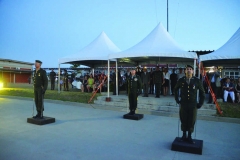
[[189, 66], [38, 61]]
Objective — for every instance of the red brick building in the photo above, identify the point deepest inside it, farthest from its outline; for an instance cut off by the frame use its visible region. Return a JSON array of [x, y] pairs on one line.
[[12, 71]]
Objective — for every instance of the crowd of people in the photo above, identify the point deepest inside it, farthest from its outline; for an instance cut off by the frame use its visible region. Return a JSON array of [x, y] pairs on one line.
[[156, 82]]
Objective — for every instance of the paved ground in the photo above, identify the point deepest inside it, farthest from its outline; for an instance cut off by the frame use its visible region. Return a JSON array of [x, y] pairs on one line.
[[82, 132]]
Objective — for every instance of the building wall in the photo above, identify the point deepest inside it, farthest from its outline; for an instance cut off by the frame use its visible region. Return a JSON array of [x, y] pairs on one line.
[[14, 71]]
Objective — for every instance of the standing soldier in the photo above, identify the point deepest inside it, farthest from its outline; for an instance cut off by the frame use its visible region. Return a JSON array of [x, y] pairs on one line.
[[52, 79], [157, 80], [40, 86], [145, 81], [134, 87], [189, 85]]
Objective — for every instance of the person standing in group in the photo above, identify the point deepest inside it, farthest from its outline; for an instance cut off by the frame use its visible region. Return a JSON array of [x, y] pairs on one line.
[[173, 79], [237, 88], [188, 104], [166, 77], [157, 80], [181, 73], [72, 78], [127, 75], [65, 81], [151, 85], [145, 77], [52, 79], [40, 84], [134, 87], [212, 77], [90, 83]]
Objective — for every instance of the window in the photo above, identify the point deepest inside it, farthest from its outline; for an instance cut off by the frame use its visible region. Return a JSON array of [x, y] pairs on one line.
[[232, 74]]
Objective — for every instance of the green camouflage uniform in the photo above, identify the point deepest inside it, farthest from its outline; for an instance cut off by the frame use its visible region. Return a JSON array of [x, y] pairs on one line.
[[134, 87], [188, 102], [40, 86]]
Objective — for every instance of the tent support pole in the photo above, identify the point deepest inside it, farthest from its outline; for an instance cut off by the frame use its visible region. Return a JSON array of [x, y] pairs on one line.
[[194, 64], [108, 89], [116, 78], [59, 78]]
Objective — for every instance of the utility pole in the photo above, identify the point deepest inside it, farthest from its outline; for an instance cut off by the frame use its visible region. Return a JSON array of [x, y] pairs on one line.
[[167, 15]]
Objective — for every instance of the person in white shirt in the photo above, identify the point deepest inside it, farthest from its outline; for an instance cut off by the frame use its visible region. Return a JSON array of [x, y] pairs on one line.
[[166, 77]]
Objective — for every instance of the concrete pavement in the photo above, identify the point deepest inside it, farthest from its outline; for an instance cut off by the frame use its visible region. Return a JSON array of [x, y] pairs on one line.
[[82, 132]]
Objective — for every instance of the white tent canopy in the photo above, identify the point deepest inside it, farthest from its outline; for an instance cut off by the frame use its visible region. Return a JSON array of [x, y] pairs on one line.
[[93, 54], [158, 43], [230, 50]]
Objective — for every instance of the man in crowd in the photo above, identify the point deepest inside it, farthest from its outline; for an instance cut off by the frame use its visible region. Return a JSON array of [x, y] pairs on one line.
[[114, 77], [134, 87], [40, 83], [212, 77], [229, 88], [157, 80], [127, 75], [65, 81], [145, 76], [52, 79], [188, 102], [173, 79]]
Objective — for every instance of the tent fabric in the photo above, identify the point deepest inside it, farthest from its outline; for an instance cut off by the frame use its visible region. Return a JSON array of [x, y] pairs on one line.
[[158, 43], [230, 50], [97, 50]]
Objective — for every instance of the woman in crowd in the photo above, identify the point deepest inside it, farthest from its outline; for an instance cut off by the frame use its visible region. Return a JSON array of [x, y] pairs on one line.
[[90, 83], [237, 88]]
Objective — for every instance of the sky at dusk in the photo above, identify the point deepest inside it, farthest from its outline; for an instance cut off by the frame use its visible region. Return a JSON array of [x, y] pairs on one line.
[[52, 29]]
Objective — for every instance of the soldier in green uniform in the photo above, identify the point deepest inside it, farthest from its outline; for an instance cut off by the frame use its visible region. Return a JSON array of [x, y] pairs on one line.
[[134, 87], [40, 86], [157, 80], [188, 102]]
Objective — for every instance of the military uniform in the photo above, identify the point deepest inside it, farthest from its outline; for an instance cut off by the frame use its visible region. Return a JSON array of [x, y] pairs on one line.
[[157, 80], [52, 78], [40, 86], [134, 87], [188, 102]]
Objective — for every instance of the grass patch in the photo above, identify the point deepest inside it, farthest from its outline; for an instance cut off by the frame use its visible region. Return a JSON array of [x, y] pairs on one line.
[[230, 110], [72, 96]]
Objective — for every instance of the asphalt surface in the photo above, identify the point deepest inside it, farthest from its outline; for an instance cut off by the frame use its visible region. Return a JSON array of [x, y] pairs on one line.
[[86, 132]]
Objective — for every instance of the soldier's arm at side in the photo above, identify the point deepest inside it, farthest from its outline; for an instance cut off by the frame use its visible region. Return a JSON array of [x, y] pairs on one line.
[[176, 89], [45, 80]]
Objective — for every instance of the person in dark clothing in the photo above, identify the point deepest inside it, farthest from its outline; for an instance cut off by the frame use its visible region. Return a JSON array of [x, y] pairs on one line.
[[151, 85], [52, 79], [127, 75], [173, 79], [145, 77], [40, 84], [134, 87], [157, 80], [189, 86], [65, 81]]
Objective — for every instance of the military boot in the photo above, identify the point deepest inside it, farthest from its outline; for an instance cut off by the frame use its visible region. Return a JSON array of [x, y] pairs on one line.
[[37, 115], [189, 139], [184, 136]]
